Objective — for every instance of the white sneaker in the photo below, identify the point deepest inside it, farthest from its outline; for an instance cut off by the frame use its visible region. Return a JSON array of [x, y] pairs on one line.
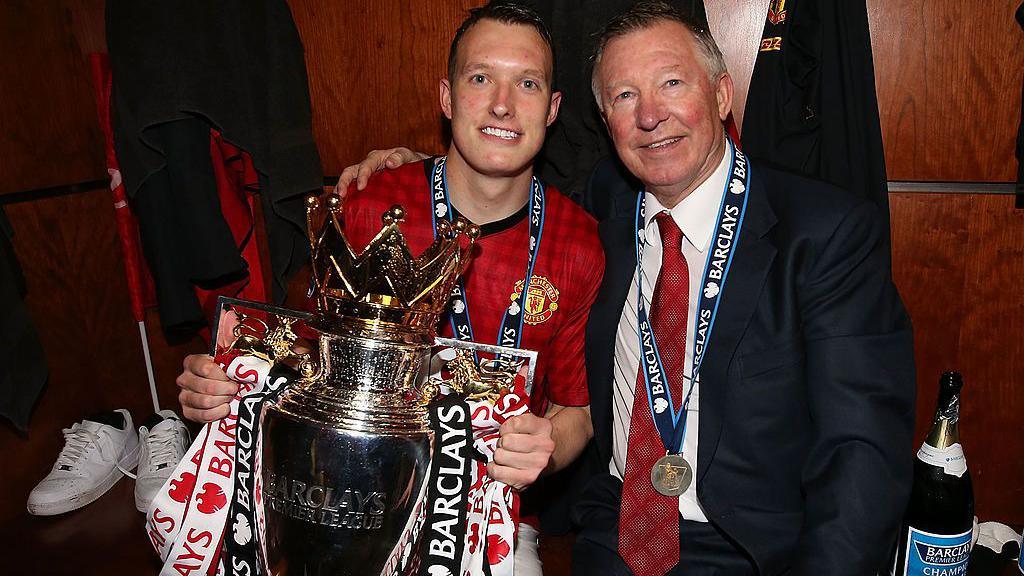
[[164, 440], [94, 454]]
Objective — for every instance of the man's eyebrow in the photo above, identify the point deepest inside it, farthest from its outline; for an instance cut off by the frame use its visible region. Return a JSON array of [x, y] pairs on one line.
[[483, 66], [660, 70], [616, 85], [475, 67]]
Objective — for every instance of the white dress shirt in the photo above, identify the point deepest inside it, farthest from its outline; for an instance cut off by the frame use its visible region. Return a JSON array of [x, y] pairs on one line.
[[695, 216]]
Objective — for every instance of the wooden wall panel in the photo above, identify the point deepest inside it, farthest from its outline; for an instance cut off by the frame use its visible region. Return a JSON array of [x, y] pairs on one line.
[[958, 261], [86, 23], [374, 69], [48, 130], [991, 354], [737, 26], [949, 86]]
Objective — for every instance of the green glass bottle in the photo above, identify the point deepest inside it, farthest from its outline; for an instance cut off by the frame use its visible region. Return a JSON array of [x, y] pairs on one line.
[[935, 539]]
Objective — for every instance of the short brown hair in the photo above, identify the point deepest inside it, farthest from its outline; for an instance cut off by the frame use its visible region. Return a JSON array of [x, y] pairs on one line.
[[647, 13], [505, 12]]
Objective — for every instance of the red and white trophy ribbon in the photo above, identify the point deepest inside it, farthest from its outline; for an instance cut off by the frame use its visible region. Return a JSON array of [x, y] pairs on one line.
[[187, 519], [493, 505], [185, 522]]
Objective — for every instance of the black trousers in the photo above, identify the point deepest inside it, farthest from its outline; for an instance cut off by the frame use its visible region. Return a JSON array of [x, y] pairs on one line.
[[703, 549]]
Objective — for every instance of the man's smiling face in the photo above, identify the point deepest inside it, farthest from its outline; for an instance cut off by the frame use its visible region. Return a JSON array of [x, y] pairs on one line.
[[499, 100], [662, 109]]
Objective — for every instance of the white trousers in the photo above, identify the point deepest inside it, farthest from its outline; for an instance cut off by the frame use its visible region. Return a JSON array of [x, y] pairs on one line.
[[527, 558]]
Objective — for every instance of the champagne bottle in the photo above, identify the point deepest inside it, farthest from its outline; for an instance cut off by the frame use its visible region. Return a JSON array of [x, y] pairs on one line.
[[935, 539]]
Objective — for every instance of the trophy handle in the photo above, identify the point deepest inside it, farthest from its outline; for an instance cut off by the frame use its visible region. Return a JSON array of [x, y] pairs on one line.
[[254, 336], [483, 382]]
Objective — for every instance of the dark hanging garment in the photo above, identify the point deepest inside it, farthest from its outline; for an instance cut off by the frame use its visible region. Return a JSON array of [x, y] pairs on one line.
[[811, 107], [1020, 130], [23, 368], [180, 68], [578, 139], [184, 235]]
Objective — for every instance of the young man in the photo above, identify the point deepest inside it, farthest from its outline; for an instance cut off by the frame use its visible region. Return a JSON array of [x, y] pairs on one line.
[[538, 262]]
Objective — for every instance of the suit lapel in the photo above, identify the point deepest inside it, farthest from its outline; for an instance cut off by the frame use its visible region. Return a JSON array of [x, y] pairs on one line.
[[751, 263]]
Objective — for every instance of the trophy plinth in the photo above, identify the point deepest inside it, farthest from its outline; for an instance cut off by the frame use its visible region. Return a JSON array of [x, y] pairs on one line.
[[346, 451]]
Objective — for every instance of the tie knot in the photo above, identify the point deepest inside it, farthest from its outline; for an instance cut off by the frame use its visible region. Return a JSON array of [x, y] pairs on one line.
[[671, 235]]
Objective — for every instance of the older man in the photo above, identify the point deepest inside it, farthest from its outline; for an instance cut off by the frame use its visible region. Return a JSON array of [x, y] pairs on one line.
[[750, 361]]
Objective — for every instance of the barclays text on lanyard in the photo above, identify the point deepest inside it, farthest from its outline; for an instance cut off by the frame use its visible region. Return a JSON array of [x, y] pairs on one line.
[[511, 330], [672, 473]]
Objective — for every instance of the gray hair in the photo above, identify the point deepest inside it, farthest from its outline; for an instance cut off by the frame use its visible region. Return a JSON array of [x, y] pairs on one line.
[[644, 15]]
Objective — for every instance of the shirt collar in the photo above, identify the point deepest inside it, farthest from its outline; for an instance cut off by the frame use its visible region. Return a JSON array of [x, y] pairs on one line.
[[696, 214]]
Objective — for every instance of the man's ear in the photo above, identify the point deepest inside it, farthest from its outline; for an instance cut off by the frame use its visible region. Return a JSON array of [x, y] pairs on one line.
[[556, 101], [724, 94], [446, 98]]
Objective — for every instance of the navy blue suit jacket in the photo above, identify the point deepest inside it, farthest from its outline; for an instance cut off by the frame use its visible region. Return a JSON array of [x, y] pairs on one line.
[[807, 389]]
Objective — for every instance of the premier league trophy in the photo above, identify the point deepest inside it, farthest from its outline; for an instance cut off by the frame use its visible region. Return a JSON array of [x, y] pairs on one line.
[[346, 449]]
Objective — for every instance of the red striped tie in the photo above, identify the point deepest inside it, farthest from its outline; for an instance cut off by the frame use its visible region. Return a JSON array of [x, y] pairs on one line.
[[649, 521]]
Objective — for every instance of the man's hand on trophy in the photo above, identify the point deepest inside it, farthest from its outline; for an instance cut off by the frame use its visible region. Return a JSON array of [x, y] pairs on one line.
[[524, 450], [374, 162], [206, 391]]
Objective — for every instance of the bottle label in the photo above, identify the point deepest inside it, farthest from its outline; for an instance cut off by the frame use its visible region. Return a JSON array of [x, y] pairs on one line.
[[950, 459], [936, 554]]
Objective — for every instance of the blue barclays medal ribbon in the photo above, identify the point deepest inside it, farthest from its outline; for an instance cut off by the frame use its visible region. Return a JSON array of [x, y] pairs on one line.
[[510, 333], [671, 423]]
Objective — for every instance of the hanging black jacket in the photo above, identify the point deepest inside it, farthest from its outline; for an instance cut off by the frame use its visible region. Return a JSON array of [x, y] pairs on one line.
[[812, 106], [23, 368]]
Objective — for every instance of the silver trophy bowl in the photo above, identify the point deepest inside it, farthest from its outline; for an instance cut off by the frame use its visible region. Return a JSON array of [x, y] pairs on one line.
[[345, 460]]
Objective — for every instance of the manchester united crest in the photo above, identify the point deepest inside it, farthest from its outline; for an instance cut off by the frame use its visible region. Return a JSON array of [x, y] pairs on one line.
[[777, 12], [541, 300]]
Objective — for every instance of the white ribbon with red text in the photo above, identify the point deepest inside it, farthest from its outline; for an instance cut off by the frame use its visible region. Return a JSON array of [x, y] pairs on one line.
[[185, 522]]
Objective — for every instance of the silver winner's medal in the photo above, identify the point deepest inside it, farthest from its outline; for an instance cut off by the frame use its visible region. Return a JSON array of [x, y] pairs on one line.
[[671, 475]]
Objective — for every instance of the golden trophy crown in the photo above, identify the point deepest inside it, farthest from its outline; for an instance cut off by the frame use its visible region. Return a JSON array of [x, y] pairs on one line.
[[384, 283]]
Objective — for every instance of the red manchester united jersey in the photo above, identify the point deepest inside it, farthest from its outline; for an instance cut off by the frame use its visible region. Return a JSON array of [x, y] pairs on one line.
[[565, 279]]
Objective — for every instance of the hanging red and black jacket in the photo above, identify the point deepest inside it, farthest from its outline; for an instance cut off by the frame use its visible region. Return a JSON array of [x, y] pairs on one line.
[[811, 106], [179, 70]]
